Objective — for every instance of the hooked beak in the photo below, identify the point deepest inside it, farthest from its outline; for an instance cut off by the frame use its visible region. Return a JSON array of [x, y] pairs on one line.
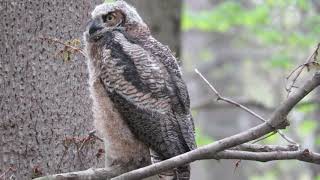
[[94, 27], [94, 30]]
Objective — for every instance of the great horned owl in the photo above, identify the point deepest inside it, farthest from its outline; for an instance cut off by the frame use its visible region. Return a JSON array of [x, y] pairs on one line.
[[139, 98]]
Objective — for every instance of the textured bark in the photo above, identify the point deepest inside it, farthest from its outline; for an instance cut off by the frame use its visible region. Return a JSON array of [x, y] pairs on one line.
[[43, 99]]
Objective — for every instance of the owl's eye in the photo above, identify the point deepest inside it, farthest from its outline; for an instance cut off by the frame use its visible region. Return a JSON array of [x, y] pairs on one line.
[[108, 18]]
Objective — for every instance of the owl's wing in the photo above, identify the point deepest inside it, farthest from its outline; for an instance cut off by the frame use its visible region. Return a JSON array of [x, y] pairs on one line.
[[144, 93], [180, 100]]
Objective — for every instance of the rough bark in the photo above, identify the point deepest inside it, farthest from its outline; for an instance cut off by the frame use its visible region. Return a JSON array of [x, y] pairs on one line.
[[44, 100]]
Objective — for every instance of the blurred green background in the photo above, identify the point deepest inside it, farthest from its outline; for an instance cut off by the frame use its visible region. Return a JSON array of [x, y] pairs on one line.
[[247, 48]]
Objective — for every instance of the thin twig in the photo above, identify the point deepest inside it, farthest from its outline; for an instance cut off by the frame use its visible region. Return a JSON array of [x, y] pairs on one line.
[[311, 60], [57, 41], [91, 134], [227, 100], [266, 137], [6, 172]]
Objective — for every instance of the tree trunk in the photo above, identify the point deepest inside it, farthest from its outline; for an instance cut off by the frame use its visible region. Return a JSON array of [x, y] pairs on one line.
[[44, 102], [45, 107]]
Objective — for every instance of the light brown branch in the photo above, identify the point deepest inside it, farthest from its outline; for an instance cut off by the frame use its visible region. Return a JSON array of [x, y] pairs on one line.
[[92, 174], [227, 100], [301, 155], [311, 60], [265, 148], [277, 121], [253, 152], [209, 104]]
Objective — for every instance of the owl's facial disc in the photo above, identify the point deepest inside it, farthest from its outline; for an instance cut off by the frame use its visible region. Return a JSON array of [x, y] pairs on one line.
[[104, 23], [113, 19]]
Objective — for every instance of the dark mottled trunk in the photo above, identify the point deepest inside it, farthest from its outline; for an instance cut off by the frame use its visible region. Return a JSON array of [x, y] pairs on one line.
[[44, 102]]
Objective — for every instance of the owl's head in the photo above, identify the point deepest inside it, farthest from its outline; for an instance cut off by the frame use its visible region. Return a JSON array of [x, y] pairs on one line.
[[112, 16]]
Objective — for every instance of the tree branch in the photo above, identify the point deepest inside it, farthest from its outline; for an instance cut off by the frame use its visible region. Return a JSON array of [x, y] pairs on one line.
[[253, 152], [265, 148], [301, 155], [277, 121], [218, 149], [210, 104], [310, 61], [66, 45], [230, 101], [92, 174]]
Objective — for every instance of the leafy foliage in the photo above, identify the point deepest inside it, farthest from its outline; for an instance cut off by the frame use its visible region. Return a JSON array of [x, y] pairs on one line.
[[262, 24]]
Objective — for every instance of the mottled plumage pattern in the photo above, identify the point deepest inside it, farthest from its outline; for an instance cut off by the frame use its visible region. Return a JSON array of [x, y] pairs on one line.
[[143, 81]]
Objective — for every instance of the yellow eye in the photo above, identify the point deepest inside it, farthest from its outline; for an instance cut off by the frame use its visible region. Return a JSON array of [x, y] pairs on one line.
[[108, 18]]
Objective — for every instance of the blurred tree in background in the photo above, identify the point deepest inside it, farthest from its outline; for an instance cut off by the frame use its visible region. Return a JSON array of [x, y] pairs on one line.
[[247, 48]]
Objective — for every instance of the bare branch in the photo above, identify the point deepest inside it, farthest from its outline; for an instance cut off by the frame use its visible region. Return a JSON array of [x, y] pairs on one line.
[[57, 41], [265, 148], [209, 104], [91, 134], [218, 150], [10, 169], [277, 121], [301, 155], [92, 174], [227, 100], [310, 61], [272, 153]]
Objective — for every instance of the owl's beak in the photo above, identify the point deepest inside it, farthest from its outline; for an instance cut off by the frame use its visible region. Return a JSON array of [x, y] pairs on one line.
[[94, 27]]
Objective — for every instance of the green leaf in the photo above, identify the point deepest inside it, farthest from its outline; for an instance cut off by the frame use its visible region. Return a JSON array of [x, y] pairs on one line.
[[307, 127], [202, 139], [303, 4]]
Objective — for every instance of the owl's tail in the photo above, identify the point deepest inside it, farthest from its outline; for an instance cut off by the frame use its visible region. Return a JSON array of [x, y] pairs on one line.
[[180, 173], [183, 172]]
